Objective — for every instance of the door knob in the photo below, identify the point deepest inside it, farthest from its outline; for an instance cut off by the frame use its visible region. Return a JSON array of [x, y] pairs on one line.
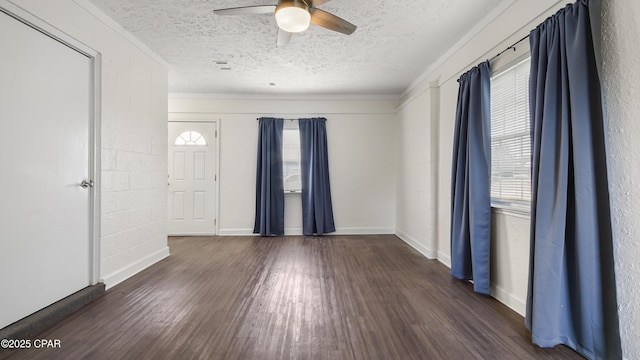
[[86, 184]]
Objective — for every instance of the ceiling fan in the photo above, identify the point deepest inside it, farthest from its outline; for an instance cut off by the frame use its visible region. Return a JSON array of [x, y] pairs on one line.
[[294, 16]]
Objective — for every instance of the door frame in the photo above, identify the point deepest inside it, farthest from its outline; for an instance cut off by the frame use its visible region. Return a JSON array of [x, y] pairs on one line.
[[95, 97], [216, 168]]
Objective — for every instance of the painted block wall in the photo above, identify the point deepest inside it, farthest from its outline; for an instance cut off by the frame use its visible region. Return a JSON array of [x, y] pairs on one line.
[[416, 196], [133, 141], [510, 251], [361, 142], [621, 79]]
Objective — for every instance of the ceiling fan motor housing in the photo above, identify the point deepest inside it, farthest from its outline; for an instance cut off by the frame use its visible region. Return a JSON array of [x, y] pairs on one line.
[[293, 15]]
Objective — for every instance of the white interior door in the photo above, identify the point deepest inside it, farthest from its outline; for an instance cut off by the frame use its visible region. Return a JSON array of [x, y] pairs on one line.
[[192, 176], [45, 117]]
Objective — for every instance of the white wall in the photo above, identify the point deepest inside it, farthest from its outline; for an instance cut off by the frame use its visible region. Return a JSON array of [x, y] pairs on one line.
[[510, 234], [621, 78], [134, 164], [416, 196], [133, 141], [419, 121], [361, 142]]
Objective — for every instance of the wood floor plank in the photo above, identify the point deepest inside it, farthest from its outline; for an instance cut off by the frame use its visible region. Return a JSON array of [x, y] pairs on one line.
[[334, 297]]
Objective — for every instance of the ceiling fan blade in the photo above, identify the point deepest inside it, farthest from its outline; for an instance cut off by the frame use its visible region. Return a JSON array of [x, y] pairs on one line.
[[331, 22], [319, 2], [283, 37], [247, 10]]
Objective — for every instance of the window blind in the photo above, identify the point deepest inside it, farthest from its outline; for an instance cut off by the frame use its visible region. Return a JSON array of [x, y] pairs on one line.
[[291, 156], [510, 137]]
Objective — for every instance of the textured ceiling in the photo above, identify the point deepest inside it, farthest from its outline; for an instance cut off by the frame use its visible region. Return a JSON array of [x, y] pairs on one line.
[[395, 42]]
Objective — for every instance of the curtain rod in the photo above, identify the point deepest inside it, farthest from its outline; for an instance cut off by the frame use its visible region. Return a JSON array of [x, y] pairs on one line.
[[286, 119], [512, 46]]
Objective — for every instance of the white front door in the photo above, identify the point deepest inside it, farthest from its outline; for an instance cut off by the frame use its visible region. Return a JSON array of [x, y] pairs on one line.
[[45, 116], [192, 177]]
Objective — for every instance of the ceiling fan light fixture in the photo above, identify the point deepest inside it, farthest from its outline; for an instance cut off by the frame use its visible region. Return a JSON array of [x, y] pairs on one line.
[[293, 16]]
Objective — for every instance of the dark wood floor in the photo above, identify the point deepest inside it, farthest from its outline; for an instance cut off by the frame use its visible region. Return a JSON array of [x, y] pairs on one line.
[[337, 297]]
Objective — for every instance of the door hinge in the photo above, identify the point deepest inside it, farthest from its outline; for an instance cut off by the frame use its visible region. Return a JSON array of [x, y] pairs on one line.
[[216, 133], [215, 177], [215, 222]]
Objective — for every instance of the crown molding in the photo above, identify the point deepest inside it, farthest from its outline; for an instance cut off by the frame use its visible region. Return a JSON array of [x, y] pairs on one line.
[[121, 31], [492, 16], [313, 97]]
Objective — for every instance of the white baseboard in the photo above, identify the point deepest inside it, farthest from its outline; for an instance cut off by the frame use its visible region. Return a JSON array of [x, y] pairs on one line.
[[236, 232], [192, 234], [298, 231], [128, 271], [515, 304], [428, 253], [444, 258], [363, 231], [511, 301]]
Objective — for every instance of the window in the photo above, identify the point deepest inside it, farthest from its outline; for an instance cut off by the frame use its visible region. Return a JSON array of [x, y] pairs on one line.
[[190, 138], [510, 138], [291, 156]]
